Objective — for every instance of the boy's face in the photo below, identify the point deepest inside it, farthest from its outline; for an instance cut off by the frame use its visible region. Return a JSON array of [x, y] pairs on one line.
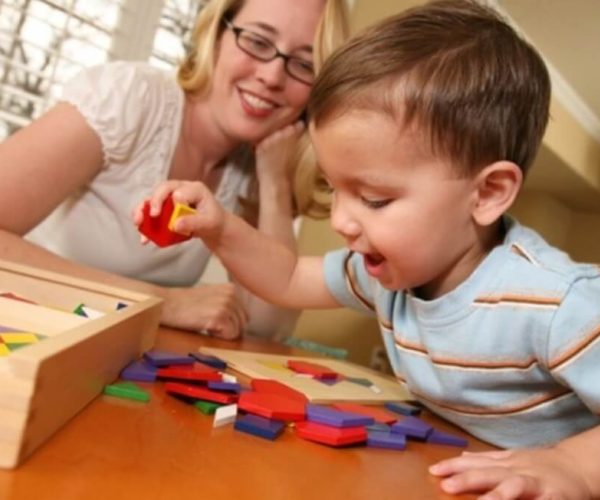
[[396, 204]]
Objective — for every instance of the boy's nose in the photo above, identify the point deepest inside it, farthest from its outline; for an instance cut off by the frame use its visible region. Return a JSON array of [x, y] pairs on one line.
[[343, 223]]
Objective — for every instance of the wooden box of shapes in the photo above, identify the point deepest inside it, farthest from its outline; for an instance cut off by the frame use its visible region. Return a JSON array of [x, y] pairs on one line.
[[44, 384]]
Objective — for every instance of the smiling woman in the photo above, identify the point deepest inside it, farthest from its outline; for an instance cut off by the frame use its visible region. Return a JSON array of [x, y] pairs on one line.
[[123, 127]]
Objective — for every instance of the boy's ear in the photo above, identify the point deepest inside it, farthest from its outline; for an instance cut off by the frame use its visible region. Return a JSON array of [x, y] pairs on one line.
[[497, 186]]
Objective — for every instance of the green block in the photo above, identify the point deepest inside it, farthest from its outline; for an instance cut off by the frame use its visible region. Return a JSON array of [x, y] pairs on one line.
[[14, 346], [309, 345], [207, 407], [79, 310], [365, 382], [127, 390]]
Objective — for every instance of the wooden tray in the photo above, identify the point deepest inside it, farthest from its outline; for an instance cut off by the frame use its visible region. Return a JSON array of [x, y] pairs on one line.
[[44, 384], [271, 366]]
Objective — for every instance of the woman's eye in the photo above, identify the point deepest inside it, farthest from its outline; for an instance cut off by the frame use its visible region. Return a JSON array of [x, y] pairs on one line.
[[259, 44], [375, 203]]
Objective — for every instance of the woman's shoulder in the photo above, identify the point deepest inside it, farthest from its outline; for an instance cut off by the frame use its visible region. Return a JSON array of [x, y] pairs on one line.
[[126, 103], [120, 81]]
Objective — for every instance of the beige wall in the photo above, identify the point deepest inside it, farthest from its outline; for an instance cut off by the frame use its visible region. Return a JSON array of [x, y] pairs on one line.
[[561, 200]]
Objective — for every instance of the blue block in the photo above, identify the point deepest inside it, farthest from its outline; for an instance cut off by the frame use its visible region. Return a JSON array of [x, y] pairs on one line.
[[376, 439], [439, 437], [161, 358], [209, 360], [412, 427], [225, 386], [259, 426], [336, 418], [403, 408], [140, 371]]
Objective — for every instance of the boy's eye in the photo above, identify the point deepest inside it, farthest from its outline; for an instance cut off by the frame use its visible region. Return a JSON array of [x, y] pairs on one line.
[[375, 203]]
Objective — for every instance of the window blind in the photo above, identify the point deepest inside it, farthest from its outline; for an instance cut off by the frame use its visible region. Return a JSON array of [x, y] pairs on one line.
[[42, 44], [174, 30]]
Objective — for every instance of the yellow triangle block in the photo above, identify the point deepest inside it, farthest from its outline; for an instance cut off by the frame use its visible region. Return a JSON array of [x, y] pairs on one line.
[[179, 210], [274, 365], [4, 351], [19, 338]]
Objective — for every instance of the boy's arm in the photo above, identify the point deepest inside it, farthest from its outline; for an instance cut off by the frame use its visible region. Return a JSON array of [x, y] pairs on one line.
[[270, 269], [264, 266], [567, 470]]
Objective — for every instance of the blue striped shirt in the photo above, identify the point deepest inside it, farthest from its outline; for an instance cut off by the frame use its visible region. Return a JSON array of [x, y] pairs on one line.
[[512, 355]]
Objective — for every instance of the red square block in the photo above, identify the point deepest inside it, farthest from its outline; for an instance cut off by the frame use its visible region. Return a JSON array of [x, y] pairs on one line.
[[156, 229]]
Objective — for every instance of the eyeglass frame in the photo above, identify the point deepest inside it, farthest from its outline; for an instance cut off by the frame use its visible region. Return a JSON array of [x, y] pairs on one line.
[[237, 31]]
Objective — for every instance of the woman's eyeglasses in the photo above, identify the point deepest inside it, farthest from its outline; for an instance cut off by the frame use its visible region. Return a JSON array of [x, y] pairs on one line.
[[264, 50]]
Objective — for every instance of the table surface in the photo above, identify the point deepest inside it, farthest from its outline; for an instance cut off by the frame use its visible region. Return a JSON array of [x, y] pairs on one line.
[[165, 450]]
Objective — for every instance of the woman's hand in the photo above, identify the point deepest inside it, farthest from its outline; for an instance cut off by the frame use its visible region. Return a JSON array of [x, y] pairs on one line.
[[273, 154], [213, 309]]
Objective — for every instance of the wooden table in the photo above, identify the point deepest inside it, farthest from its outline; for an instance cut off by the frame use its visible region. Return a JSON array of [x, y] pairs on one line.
[[167, 450]]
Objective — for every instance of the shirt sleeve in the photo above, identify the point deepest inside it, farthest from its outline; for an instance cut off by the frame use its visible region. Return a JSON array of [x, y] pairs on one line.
[[118, 101], [348, 281], [574, 341]]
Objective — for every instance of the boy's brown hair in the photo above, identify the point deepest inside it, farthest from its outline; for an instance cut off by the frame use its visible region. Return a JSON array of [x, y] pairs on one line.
[[453, 67]]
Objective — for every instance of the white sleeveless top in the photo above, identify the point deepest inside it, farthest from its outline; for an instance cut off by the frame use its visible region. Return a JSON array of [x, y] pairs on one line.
[[137, 111]]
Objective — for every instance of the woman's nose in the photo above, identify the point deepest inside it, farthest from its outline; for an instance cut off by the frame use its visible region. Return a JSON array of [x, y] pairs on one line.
[[272, 73]]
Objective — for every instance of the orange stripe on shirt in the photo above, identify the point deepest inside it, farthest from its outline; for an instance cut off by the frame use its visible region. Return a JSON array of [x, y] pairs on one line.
[[574, 351], [515, 299], [499, 410], [523, 364]]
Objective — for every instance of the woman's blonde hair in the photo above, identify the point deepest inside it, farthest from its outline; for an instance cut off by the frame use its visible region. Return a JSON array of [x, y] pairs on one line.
[[196, 72]]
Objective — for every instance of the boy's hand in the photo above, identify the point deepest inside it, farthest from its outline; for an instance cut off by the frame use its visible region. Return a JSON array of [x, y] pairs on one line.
[[540, 474], [206, 224]]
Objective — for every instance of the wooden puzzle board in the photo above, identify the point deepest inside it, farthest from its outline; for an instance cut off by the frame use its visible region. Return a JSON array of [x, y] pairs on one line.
[[271, 366]]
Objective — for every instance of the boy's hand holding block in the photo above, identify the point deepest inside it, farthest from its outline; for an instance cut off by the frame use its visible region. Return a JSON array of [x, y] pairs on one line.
[[159, 229]]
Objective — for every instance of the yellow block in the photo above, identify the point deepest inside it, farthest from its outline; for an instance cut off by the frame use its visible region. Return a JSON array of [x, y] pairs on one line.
[[179, 210], [275, 366], [19, 338], [4, 351]]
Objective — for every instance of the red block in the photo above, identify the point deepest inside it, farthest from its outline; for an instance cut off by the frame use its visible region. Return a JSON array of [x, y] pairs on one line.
[[318, 371], [379, 414], [197, 372], [273, 387], [156, 229], [333, 436], [198, 392], [272, 406]]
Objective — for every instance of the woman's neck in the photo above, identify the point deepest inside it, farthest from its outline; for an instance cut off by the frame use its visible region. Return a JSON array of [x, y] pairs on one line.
[[202, 145]]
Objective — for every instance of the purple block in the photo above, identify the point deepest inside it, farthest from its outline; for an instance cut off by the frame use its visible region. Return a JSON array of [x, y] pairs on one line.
[[336, 418], [225, 386], [140, 371], [259, 426], [329, 381], [403, 408], [161, 358], [439, 437], [412, 427], [378, 427], [209, 360], [376, 439]]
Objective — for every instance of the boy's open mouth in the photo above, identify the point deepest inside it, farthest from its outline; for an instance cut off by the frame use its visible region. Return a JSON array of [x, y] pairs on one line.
[[373, 259]]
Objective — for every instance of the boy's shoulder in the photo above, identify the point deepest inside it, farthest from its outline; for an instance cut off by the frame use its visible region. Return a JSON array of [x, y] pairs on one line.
[[539, 263]]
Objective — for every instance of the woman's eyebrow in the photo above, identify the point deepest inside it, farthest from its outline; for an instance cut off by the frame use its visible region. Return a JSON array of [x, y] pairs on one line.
[[272, 30]]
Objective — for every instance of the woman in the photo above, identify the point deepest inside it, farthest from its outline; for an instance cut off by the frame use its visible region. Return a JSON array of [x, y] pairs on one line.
[[124, 127]]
